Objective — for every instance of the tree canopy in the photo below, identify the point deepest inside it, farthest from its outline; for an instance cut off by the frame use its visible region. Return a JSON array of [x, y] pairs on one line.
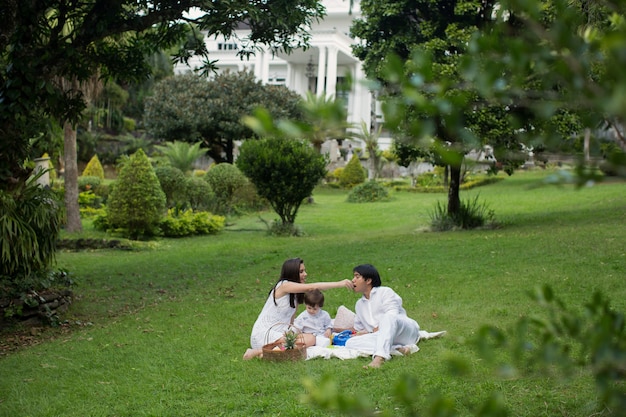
[[457, 72], [191, 108], [441, 31], [44, 42]]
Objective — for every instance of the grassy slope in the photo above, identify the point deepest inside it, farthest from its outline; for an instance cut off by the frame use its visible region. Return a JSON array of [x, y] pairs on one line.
[[170, 324]]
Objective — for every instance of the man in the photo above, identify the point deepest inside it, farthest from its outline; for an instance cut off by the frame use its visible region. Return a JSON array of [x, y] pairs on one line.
[[381, 323]]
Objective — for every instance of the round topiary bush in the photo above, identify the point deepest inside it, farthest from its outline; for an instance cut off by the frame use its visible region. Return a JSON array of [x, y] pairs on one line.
[[172, 182], [368, 192], [225, 179], [136, 203], [198, 193]]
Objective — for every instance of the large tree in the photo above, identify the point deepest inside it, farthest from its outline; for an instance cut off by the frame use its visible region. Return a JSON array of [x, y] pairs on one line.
[[536, 63], [193, 109], [44, 41], [441, 31]]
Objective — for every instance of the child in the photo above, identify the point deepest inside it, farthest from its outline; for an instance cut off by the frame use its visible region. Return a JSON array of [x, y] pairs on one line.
[[314, 320]]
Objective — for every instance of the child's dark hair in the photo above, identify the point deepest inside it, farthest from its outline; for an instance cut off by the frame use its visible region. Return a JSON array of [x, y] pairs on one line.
[[314, 298]]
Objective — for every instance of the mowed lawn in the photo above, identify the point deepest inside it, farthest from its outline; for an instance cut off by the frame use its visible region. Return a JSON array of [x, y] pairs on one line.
[[161, 331]]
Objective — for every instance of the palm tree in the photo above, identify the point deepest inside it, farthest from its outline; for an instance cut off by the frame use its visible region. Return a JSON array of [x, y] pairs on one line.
[[181, 155], [325, 118], [87, 90], [371, 146]]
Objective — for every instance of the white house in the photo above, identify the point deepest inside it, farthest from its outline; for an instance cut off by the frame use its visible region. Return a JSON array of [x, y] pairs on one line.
[[318, 69]]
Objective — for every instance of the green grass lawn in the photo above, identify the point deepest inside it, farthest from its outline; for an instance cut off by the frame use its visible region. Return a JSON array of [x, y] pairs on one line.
[[163, 329]]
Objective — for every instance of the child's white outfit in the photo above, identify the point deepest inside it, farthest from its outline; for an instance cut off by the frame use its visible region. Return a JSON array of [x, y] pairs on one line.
[[315, 324]]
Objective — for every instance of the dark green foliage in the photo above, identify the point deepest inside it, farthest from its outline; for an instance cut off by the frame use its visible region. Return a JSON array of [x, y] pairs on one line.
[[172, 182], [225, 179], [284, 171], [30, 222], [137, 202], [246, 199], [472, 214], [44, 43], [198, 193], [353, 173], [367, 192], [189, 108]]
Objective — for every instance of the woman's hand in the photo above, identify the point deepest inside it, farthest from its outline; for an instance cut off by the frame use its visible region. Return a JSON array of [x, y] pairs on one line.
[[348, 284]]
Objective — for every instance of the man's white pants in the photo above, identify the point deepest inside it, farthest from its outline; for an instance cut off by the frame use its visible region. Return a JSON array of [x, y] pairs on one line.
[[394, 330]]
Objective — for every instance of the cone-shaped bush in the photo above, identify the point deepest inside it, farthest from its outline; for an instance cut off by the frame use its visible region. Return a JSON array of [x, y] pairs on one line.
[[353, 173], [94, 168], [137, 202]]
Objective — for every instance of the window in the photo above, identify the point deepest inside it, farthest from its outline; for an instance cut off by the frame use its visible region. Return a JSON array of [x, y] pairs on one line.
[[226, 46]]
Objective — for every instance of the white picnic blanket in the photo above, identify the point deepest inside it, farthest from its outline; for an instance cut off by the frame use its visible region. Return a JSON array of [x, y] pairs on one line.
[[343, 352]]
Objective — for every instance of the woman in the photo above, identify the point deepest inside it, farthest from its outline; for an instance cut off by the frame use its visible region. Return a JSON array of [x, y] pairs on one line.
[[281, 306]]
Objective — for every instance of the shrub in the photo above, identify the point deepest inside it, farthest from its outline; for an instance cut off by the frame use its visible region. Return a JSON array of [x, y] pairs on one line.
[[429, 179], [353, 173], [88, 183], [179, 223], [247, 199], [89, 199], [284, 171], [225, 179], [137, 203], [172, 181], [102, 191], [198, 193], [370, 191], [94, 168], [30, 224], [129, 124], [471, 215]]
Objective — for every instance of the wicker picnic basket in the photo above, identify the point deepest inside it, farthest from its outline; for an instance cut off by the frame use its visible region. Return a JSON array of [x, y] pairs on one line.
[[272, 352]]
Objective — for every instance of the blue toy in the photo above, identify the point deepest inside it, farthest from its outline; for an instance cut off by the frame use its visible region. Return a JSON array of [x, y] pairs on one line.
[[341, 338]]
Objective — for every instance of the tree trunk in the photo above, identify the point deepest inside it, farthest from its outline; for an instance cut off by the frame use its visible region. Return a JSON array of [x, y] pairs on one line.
[[72, 211], [454, 200], [586, 144]]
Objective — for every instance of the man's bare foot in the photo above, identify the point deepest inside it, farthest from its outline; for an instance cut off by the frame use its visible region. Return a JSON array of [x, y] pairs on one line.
[[405, 350], [375, 363], [252, 353]]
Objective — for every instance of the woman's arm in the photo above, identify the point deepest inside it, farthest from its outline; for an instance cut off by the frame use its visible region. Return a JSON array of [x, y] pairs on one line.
[[289, 287]]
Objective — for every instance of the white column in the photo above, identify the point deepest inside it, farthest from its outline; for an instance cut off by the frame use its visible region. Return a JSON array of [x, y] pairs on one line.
[[289, 77], [331, 73], [321, 71], [361, 101], [258, 64], [265, 69]]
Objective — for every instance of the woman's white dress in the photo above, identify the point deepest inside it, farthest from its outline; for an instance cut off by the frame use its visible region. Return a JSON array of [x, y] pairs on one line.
[[273, 321]]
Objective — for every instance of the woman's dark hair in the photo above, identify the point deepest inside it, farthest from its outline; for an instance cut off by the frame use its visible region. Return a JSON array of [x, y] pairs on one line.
[[368, 271], [291, 272]]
